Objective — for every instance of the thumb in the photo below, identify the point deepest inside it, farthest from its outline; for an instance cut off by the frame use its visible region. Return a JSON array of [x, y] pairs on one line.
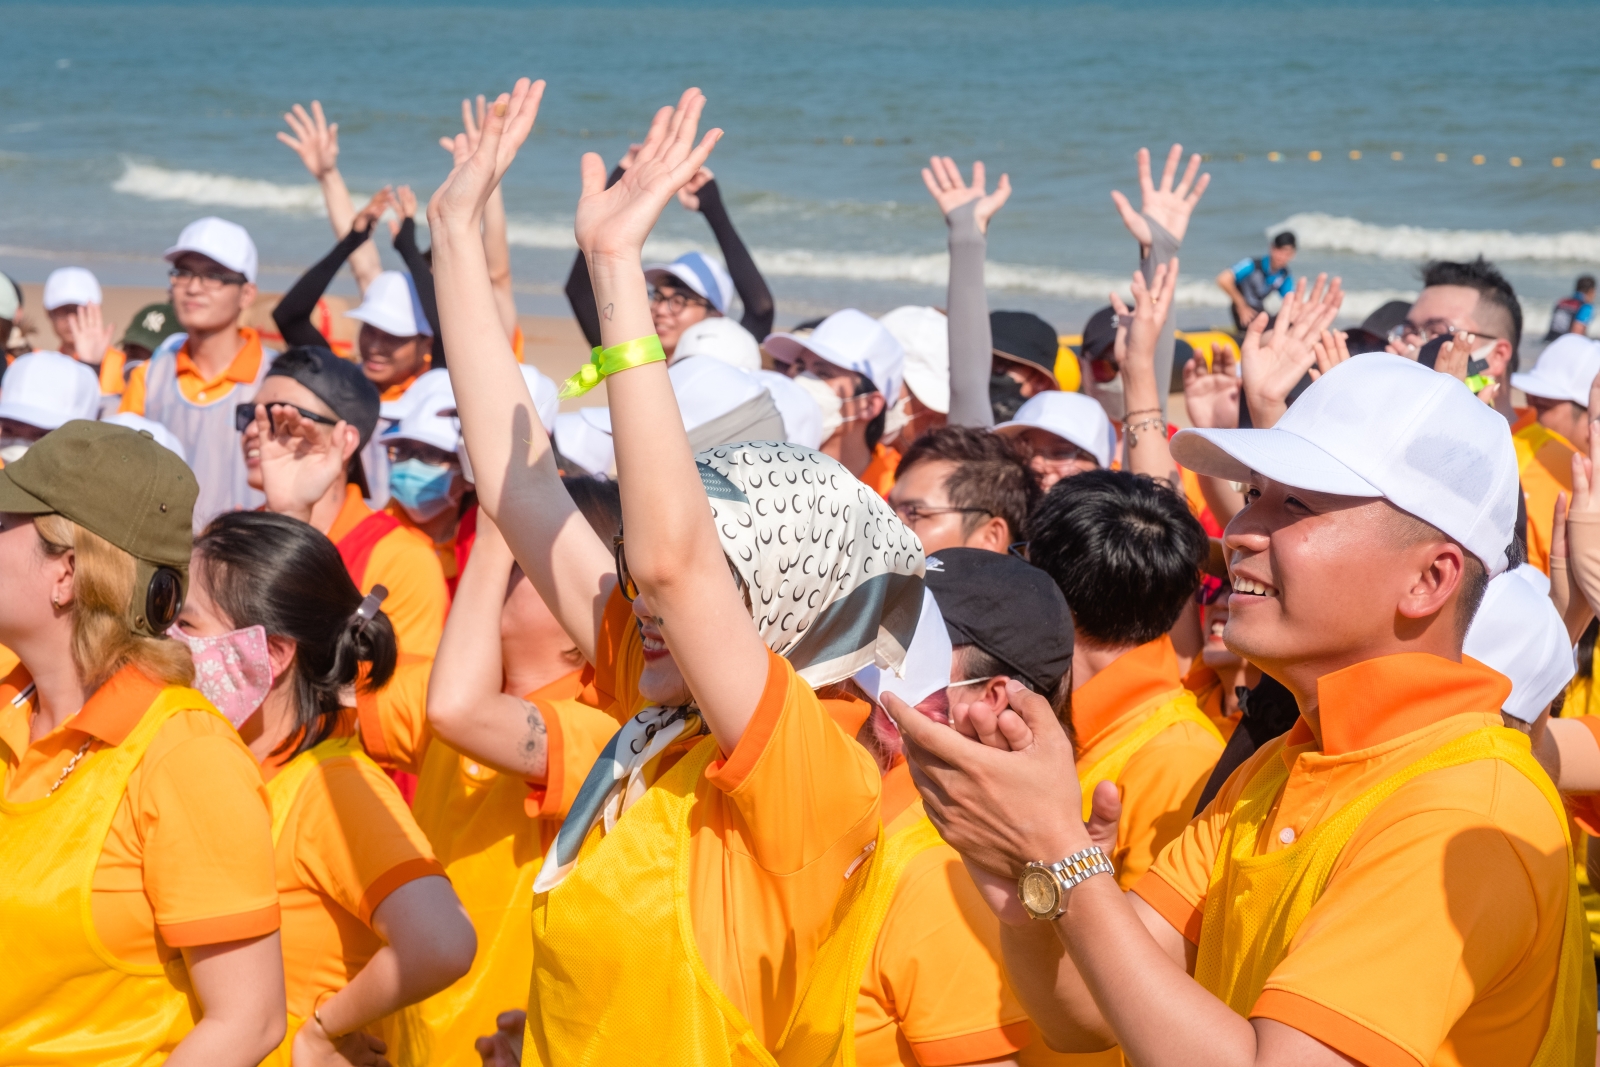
[[1104, 816], [921, 733], [1035, 710], [593, 171]]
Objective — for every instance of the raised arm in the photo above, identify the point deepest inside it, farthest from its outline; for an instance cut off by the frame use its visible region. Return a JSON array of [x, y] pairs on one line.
[[967, 211], [404, 236], [1274, 361], [316, 142], [1144, 436], [496, 243], [1159, 226], [518, 484], [703, 195], [580, 290], [293, 313], [673, 551], [1211, 397]]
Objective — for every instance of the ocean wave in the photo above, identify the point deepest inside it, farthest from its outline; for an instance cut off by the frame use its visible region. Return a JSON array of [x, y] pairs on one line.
[[219, 190], [1332, 233]]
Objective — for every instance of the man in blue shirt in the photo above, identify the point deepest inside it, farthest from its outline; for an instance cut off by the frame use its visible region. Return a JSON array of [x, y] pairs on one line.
[[1573, 314], [1248, 281]]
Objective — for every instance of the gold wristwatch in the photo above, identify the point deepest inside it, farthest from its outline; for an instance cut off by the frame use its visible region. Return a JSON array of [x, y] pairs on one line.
[[1043, 886]]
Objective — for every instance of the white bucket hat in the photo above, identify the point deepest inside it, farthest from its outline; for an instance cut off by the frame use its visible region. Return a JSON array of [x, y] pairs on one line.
[[46, 389], [578, 440], [1071, 417], [924, 334]]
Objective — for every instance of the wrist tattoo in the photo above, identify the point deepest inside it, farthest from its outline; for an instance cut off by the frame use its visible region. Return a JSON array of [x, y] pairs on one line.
[[606, 311]]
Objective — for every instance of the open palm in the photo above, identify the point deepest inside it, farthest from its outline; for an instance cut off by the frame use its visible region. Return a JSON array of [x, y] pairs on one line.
[[1170, 204], [949, 191], [507, 123], [1211, 395]]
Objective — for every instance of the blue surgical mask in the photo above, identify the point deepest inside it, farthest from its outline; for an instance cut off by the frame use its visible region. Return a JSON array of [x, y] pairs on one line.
[[423, 489]]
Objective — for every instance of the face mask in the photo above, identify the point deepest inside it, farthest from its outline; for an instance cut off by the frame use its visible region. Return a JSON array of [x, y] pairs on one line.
[[231, 670], [423, 489], [10, 453], [826, 399], [896, 419], [1005, 397]]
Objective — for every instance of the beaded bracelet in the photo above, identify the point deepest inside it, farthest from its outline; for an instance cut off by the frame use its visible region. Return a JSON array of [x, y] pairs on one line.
[[604, 362]]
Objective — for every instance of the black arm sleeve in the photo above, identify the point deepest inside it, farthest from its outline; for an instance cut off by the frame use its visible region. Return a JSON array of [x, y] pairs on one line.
[[580, 289], [293, 313], [405, 242], [753, 292]]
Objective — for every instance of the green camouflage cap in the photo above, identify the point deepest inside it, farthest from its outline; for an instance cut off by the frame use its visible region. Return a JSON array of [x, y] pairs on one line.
[[124, 486], [151, 325]]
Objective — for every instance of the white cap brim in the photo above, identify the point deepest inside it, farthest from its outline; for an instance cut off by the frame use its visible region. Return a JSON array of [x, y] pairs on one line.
[[1532, 383], [1276, 454]]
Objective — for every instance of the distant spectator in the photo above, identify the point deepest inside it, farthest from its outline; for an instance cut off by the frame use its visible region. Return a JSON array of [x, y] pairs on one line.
[[1248, 281], [1576, 312]]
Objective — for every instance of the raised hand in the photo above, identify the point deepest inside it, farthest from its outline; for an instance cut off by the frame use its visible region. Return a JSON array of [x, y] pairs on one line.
[[300, 461], [1211, 394], [1330, 350], [688, 196], [1274, 361], [1168, 205], [1138, 331], [943, 179], [405, 207], [315, 140], [374, 210], [472, 117], [613, 223], [507, 122], [91, 334]]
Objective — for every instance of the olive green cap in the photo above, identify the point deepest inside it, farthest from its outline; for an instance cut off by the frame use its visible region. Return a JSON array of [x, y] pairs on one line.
[[122, 485], [151, 325]]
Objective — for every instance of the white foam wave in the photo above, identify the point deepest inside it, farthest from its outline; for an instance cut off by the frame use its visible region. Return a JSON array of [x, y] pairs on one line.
[[1332, 233], [218, 190]]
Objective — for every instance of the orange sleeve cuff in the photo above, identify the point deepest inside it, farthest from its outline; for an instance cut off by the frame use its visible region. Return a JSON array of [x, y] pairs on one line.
[[1338, 1032], [1171, 905], [393, 879], [973, 1048], [221, 928], [371, 722], [544, 798], [728, 774]]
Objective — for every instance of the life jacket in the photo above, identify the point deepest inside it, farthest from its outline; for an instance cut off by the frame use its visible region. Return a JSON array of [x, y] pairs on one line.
[[1563, 315]]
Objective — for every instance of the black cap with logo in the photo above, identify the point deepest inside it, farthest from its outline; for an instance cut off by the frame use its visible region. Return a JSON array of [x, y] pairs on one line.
[[1007, 607]]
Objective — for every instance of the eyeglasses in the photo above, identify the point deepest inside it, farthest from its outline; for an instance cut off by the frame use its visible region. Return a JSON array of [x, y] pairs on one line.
[[401, 451], [1415, 335], [1211, 590], [245, 414], [911, 514], [209, 279], [676, 302]]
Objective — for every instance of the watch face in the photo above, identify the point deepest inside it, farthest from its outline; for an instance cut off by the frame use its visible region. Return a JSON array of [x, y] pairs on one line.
[[1039, 892]]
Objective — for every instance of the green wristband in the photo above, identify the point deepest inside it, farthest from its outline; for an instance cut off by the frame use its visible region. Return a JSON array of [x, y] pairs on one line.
[[604, 362]]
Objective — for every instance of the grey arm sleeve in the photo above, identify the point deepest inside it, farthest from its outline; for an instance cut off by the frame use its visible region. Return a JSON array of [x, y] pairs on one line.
[[1163, 249], [971, 345]]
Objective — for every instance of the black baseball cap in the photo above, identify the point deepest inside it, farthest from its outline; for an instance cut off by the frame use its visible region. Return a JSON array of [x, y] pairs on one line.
[[337, 382], [1386, 317], [1009, 608], [1100, 334], [1024, 337]]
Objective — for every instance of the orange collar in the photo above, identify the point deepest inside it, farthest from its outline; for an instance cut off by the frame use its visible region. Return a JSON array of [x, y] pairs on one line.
[[109, 715], [398, 389], [1388, 697], [246, 362], [350, 514], [1136, 677]]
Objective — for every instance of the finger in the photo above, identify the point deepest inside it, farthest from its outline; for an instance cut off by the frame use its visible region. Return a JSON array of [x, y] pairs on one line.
[[949, 175], [514, 1019], [290, 141], [300, 113], [654, 136], [1117, 306], [482, 109], [683, 142], [1014, 730], [1146, 190], [1104, 815], [927, 179], [466, 116], [1253, 332], [1002, 192], [984, 726], [923, 735], [1558, 529], [1580, 477], [1170, 171], [318, 116], [592, 171], [1314, 373], [1199, 189], [978, 176], [1130, 217], [702, 152], [1034, 709], [1189, 172], [680, 115], [1166, 287]]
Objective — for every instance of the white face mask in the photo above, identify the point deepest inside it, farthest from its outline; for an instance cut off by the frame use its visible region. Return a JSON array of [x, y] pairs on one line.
[[897, 418], [826, 399]]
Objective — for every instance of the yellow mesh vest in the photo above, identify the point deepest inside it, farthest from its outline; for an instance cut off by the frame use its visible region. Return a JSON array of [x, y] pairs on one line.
[[65, 998], [398, 1030], [1256, 903], [1181, 708], [1581, 700], [846, 953], [617, 977]]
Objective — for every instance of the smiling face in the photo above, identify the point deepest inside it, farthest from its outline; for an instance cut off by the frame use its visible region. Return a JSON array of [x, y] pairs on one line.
[[278, 389], [660, 682], [213, 297], [388, 360]]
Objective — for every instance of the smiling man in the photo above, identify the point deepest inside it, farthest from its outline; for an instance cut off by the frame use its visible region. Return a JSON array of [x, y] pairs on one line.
[[1389, 883]]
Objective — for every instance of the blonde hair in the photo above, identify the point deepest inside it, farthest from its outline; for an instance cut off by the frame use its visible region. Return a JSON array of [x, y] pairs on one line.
[[102, 581]]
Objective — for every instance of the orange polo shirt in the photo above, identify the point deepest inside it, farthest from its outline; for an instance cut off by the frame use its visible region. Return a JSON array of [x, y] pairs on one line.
[[576, 730], [195, 386], [1544, 459], [1437, 937], [444, 550], [188, 859], [1206, 685], [934, 992], [394, 720], [110, 371], [880, 472], [348, 842], [784, 816], [403, 562], [1161, 783]]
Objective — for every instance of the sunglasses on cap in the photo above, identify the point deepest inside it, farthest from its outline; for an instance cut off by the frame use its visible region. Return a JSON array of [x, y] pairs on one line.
[[245, 414]]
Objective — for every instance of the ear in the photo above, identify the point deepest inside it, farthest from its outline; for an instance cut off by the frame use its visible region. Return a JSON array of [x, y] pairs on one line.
[[351, 444], [992, 695], [872, 406], [280, 656], [1440, 566], [62, 584], [1499, 359], [247, 295], [992, 536]]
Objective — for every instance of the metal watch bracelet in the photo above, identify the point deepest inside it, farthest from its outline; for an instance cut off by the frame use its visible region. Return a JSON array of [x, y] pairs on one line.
[[1072, 871]]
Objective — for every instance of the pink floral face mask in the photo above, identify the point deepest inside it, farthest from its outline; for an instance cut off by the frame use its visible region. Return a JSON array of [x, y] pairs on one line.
[[232, 670]]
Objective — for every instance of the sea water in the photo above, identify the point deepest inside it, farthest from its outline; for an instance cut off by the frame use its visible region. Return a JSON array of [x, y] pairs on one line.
[[120, 123]]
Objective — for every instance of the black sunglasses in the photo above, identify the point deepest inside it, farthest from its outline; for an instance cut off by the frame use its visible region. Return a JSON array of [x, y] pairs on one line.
[[245, 414]]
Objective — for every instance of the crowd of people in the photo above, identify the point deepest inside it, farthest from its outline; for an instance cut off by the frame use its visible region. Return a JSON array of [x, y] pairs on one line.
[[789, 707]]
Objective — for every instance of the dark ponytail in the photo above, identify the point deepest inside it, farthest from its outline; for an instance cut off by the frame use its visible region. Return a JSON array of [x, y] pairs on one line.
[[283, 575]]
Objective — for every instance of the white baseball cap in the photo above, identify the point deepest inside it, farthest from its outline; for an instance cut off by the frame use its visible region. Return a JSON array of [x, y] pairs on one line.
[[1380, 425], [578, 440], [927, 666], [226, 242], [700, 273], [164, 437], [924, 334], [46, 389], [70, 285], [706, 389], [1071, 417], [802, 418], [853, 341], [427, 413], [1519, 633], [720, 338], [391, 304], [1565, 370]]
